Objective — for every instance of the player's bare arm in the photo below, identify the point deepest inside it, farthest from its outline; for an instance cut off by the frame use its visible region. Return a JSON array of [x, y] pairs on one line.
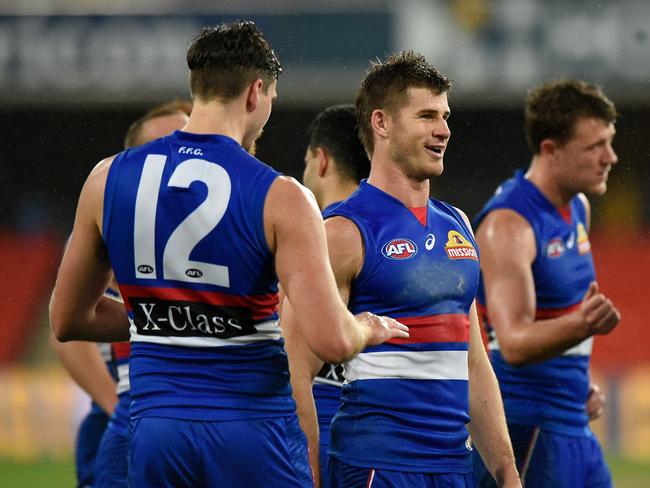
[[78, 308], [301, 261], [596, 401], [303, 368], [508, 250], [346, 258], [84, 362], [488, 425]]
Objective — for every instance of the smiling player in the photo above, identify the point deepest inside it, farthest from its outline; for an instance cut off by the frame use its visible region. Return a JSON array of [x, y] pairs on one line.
[[405, 404]]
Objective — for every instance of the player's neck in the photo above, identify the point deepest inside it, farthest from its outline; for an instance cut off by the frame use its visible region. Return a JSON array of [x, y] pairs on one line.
[[217, 118], [337, 193], [542, 177], [391, 179]]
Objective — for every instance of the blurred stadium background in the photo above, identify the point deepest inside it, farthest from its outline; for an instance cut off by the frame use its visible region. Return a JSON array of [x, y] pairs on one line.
[[75, 73]]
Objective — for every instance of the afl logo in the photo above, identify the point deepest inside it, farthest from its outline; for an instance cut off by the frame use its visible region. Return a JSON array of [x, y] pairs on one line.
[[193, 273], [399, 249], [555, 248], [145, 269]]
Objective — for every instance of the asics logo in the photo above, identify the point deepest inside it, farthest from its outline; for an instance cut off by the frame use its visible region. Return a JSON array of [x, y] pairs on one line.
[[430, 242]]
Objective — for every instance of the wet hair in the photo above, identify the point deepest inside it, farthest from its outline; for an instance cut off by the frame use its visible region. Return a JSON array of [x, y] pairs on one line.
[[223, 60], [385, 87], [134, 133], [335, 130], [553, 109]]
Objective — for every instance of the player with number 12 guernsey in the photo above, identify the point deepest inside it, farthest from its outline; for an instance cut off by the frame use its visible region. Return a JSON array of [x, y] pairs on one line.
[[196, 229]]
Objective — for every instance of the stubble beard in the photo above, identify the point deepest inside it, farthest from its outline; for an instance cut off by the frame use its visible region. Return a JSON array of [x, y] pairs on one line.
[[410, 164]]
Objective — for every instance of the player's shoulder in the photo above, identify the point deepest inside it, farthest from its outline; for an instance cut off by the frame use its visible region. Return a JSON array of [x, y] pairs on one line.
[[289, 201], [463, 216], [505, 220], [287, 189], [345, 244], [342, 231], [359, 207], [451, 211], [97, 176], [507, 234]]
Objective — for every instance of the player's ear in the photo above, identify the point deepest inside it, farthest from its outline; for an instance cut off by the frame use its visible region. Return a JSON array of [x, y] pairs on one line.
[[548, 147], [323, 161], [380, 122], [253, 94]]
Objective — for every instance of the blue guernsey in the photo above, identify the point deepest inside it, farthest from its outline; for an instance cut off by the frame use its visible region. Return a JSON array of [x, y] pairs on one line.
[[183, 223], [404, 405], [551, 394]]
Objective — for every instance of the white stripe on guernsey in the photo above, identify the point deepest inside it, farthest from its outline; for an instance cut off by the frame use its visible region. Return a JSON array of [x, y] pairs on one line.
[[123, 383], [324, 381], [529, 455], [371, 478], [266, 331], [582, 349], [414, 365]]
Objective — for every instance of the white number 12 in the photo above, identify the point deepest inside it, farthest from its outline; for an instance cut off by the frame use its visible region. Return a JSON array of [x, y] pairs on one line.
[[176, 255]]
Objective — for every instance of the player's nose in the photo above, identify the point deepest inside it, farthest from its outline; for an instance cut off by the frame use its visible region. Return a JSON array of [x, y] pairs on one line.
[[610, 155], [441, 130]]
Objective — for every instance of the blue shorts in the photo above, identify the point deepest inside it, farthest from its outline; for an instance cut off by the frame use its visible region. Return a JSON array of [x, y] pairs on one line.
[[250, 453], [550, 459], [112, 462], [89, 436], [341, 475]]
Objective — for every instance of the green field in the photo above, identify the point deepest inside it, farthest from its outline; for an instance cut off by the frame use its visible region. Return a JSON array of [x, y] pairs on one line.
[[58, 474], [53, 474]]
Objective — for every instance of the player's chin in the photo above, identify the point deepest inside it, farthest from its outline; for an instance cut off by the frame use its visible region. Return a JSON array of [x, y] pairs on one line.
[[436, 169], [597, 189]]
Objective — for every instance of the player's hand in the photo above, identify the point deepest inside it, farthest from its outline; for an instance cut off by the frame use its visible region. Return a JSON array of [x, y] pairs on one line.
[[382, 328], [596, 402], [598, 312]]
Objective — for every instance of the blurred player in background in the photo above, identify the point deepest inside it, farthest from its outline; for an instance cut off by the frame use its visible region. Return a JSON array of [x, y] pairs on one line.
[[335, 162], [196, 229], [541, 301], [405, 404], [91, 366], [97, 367]]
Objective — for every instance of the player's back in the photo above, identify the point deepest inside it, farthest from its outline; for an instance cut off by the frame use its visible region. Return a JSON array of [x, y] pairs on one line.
[[183, 223]]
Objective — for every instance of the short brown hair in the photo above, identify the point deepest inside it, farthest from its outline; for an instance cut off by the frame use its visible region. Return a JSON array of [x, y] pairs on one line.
[[552, 110], [223, 60], [385, 87], [134, 132]]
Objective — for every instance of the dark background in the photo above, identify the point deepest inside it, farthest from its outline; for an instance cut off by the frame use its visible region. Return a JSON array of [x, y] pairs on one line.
[[48, 152]]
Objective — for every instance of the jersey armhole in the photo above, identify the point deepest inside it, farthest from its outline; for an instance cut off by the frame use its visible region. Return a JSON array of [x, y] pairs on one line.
[[582, 205], [536, 231], [365, 238], [110, 191], [263, 196]]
